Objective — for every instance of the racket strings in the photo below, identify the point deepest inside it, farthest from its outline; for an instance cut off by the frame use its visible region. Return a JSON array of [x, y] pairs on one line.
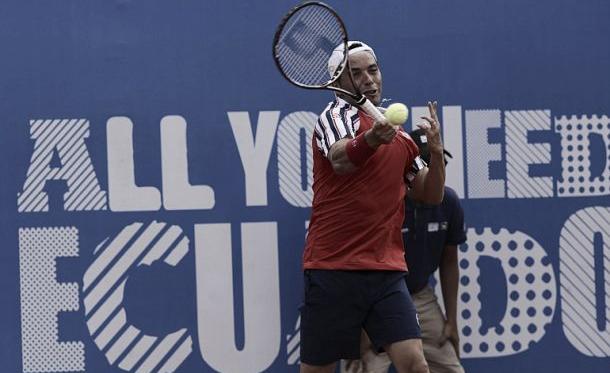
[[306, 44], [301, 58]]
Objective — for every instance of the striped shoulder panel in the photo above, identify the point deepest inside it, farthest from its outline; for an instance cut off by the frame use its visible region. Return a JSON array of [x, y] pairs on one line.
[[338, 120]]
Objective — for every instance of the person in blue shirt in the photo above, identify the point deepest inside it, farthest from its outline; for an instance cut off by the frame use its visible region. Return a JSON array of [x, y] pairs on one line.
[[431, 236]]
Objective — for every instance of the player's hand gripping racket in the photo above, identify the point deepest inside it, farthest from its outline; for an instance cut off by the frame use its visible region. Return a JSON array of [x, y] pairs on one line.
[[304, 41]]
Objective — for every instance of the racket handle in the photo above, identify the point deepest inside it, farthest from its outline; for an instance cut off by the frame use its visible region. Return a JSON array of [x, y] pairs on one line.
[[371, 110]]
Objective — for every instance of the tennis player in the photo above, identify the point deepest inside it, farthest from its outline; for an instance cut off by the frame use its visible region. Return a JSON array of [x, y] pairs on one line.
[[354, 263], [431, 236]]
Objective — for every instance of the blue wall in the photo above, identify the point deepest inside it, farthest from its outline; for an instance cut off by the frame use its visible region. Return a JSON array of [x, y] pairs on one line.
[[155, 179]]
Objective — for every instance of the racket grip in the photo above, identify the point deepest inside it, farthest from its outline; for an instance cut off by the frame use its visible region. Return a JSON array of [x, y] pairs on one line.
[[372, 111]]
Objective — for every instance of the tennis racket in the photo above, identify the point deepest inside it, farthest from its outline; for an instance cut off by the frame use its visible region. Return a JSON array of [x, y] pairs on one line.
[[304, 42]]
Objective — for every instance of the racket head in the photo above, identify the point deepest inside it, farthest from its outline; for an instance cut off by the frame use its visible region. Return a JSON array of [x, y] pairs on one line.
[[304, 41]]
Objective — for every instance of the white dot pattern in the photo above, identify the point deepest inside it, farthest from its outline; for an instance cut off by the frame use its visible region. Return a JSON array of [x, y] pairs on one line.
[[481, 153], [42, 297], [576, 156], [530, 293]]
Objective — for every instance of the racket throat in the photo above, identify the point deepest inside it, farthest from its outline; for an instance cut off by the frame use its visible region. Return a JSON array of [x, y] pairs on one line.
[[360, 99]]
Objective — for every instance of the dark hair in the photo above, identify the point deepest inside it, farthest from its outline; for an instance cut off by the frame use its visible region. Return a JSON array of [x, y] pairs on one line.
[[419, 137]]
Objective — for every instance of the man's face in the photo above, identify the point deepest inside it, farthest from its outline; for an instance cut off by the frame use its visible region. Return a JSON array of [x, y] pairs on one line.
[[366, 74]]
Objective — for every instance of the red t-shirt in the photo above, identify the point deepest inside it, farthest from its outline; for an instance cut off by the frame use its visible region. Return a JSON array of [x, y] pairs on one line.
[[356, 218]]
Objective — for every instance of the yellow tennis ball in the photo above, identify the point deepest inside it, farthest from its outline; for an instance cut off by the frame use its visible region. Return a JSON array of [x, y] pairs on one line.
[[397, 113]]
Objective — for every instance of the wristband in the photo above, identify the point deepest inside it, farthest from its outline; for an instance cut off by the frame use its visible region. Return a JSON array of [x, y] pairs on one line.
[[358, 150]]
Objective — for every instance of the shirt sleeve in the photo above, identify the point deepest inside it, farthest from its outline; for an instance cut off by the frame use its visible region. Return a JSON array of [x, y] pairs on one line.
[[337, 121]]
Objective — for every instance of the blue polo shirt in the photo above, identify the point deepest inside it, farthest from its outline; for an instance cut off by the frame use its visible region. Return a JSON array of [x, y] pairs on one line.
[[425, 231]]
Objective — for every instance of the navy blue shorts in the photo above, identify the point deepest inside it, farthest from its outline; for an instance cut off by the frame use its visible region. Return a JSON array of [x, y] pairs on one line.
[[338, 304]]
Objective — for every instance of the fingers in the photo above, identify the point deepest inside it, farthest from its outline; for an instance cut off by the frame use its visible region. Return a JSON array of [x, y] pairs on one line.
[[432, 108], [430, 120], [352, 366], [442, 341], [431, 124], [454, 343], [348, 365], [424, 125], [385, 132], [456, 347]]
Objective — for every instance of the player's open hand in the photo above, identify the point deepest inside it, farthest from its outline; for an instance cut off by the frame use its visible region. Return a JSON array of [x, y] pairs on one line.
[[432, 128]]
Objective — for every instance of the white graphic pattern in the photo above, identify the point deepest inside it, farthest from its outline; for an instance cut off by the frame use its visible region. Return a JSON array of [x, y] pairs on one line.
[[42, 298], [576, 157], [577, 265], [66, 136], [290, 157], [294, 343], [480, 152], [104, 284], [530, 293], [519, 155], [216, 313]]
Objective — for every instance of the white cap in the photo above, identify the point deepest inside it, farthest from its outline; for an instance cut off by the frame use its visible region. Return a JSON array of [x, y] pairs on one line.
[[336, 58]]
